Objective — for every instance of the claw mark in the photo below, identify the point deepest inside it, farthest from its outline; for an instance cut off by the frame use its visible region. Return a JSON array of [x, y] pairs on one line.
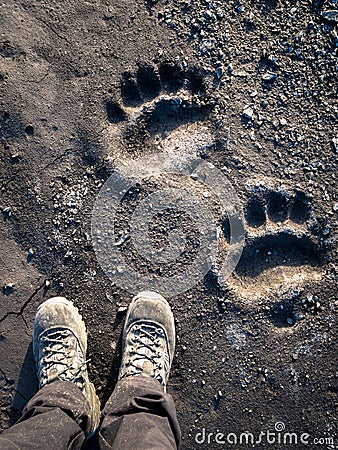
[[157, 100], [284, 245]]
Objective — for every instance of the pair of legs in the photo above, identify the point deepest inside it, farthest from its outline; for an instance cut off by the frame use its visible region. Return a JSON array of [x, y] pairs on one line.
[[65, 412]]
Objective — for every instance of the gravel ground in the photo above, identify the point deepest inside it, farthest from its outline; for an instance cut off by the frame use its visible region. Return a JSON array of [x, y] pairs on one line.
[[87, 88]]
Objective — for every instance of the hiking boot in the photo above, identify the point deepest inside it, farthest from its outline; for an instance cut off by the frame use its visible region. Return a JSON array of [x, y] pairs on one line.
[[148, 338], [59, 347]]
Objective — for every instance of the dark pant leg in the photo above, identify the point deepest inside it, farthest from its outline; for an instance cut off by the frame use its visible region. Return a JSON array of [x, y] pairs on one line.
[[56, 418], [139, 416]]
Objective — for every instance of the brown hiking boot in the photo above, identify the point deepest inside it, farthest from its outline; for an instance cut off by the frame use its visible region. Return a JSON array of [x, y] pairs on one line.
[[59, 347], [148, 338]]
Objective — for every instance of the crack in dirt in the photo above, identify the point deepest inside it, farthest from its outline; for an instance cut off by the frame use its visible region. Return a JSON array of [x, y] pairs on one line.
[[54, 31], [24, 321], [68, 150], [24, 306]]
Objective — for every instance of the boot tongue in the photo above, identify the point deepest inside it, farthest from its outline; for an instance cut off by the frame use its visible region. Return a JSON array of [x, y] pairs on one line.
[[148, 368], [53, 374]]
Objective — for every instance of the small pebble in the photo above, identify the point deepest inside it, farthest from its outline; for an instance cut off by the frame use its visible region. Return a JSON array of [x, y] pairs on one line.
[[326, 231], [298, 316], [9, 287], [219, 73], [7, 211], [176, 103], [122, 239], [335, 143], [269, 76], [248, 112]]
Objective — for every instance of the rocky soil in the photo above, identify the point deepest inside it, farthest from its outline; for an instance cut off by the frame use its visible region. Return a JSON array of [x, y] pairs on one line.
[[89, 87]]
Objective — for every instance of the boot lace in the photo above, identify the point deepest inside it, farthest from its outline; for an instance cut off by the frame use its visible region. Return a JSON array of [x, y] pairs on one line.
[[146, 341], [61, 358]]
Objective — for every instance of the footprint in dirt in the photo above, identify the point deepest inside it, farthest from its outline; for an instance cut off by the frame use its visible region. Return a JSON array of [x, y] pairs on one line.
[[163, 103], [282, 244], [155, 101]]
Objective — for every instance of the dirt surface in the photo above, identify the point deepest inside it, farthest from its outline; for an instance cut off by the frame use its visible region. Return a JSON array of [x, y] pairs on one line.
[[88, 87]]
